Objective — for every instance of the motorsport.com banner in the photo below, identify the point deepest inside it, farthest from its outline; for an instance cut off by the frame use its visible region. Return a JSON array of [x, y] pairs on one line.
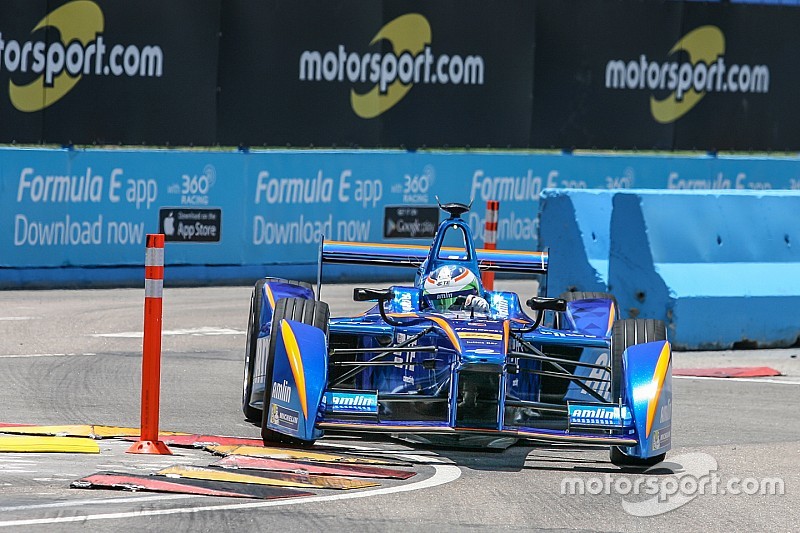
[[598, 74]]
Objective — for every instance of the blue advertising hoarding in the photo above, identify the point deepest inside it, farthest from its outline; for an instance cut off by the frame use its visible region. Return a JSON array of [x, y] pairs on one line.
[[92, 208]]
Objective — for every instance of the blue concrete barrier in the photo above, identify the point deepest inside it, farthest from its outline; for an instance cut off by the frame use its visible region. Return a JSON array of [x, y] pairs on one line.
[[722, 269], [575, 227]]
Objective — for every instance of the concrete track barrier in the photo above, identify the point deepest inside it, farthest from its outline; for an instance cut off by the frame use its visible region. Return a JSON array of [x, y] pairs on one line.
[[721, 268]]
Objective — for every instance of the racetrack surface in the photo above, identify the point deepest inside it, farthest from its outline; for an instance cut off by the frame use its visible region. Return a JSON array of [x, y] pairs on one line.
[[74, 357]]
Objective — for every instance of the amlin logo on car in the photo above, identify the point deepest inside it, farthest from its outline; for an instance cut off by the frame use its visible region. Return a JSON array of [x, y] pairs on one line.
[[706, 72], [411, 62], [81, 51]]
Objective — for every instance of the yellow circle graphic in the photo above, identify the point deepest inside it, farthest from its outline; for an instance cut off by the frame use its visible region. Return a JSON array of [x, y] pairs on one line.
[[407, 33], [705, 44], [80, 20]]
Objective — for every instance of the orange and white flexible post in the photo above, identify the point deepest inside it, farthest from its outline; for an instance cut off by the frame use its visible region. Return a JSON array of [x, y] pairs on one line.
[[490, 239], [151, 348]]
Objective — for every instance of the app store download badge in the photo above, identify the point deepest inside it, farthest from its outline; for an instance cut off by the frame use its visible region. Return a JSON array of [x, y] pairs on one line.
[[190, 225]]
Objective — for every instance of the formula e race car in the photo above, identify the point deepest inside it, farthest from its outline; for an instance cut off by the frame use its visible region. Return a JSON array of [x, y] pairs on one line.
[[447, 362]]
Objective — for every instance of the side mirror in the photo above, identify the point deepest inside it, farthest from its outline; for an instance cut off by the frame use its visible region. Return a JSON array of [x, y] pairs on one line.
[[540, 303], [367, 295]]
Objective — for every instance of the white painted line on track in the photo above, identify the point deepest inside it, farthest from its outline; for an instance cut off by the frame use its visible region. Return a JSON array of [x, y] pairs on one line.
[[12, 355], [15, 318], [746, 380], [206, 331], [35, 355], [443, 474]]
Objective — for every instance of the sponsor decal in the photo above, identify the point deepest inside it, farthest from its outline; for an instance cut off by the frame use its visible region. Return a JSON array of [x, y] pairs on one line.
[[362, 402], [404, 357], [283, 417], [410, 61], [600, 387], [500, 305], [595, 415], [81, 51], [706, 71], [406, 303], [282, 391], [485, 351], [661, 438], [565, 335], [190, 225], [666, 412], [480, 335]]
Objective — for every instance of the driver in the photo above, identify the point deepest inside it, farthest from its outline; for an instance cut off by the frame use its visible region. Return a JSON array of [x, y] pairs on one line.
[[443, 286]]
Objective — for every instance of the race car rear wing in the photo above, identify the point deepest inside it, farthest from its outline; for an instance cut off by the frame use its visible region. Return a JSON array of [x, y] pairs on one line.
[[358, 253]]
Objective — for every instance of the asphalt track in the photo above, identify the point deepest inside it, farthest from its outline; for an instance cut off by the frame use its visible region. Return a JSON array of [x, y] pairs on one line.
[[74, 357]]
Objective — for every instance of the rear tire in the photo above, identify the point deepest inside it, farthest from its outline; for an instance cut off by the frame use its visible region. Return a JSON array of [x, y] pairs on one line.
[[253, 325], [624, 334], [253, 414], [309, 312]]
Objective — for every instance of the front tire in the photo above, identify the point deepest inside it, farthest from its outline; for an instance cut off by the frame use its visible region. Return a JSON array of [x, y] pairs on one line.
[[624, 334], [254, 414], [572, 296], [309, 312], [620, 459]]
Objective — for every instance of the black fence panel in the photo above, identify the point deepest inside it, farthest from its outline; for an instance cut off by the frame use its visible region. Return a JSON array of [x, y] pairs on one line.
[[578, 46], [110, 72], [750, 99], [606, 74], [358, 73]]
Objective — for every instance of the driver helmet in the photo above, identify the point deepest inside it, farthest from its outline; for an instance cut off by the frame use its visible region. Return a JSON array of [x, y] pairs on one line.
[[442, 286]]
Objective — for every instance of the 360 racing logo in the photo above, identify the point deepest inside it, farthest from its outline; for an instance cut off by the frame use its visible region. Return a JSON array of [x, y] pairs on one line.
[[411, 62], [80, 51], [705, 72]]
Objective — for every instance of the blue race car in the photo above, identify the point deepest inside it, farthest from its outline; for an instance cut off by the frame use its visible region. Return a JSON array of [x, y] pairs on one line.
[[447, 362]]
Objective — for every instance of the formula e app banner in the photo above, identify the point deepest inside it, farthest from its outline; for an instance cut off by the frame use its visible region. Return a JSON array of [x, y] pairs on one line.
[[673, 75], [94, 71], [411, 74]]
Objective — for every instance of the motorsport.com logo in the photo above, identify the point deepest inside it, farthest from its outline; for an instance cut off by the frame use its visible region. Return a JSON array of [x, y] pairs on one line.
[[411, 62], [81, 50], [689, 81], [386, 69]]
